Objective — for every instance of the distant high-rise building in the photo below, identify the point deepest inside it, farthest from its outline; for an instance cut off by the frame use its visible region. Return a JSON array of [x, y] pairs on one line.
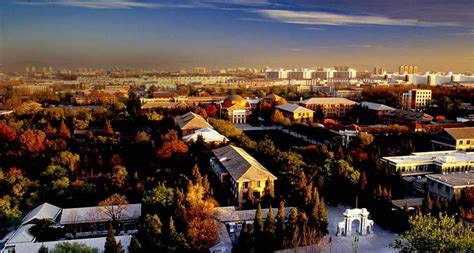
[[379, 71], [27, 69], [50, 69], [416, 99], [199, 70], [341, 68], [409, 69], [33, 69]]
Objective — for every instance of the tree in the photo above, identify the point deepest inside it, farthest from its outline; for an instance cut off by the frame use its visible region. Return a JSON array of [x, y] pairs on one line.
[[258, 221], [72, 248], [113, 207], [135, 246], [7, 133], [64, 131], [211, 110], [34, 141], [111, 245], [151, 229], [68, 160], [108, 130], [119, 177], [431, 234], [280, 224], [246, 240], [323, 218], [270, 230], [176, 241], [277, 117], [427, 203], [43, 249], [159, 199]]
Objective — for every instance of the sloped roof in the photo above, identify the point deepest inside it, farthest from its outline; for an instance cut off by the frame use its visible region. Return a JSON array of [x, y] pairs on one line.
[[293, 108], [241, 166], [230, 214], [208, 134], [235, 107], [44, 211], [97, 214], [192, 120], [326, 100], [461, 132], [22, 235], [376, 106]]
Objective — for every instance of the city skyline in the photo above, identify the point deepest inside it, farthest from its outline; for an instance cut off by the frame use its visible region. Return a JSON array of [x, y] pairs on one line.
[[173, 35]]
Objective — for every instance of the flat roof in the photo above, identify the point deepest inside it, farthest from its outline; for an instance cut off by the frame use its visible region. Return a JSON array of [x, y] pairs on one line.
[[461, 179], [452, 156], [326, 100]]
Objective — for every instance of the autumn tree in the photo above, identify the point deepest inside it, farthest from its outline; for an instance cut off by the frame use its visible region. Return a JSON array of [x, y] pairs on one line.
[[64, 131], [34, 141], [119, 177], [108, 130], [113, 207], [7, 133], [277, 117], [211, 110], [67, 160], [171, 145]]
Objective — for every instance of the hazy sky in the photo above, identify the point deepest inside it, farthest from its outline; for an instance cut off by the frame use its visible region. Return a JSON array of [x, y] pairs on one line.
[[433, 34]]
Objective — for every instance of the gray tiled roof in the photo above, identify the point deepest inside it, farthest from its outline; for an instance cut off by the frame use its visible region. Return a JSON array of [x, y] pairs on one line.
[[241, 166]]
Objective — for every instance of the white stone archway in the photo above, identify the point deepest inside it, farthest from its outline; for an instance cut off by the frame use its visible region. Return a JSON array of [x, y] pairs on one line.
[[344, 228]]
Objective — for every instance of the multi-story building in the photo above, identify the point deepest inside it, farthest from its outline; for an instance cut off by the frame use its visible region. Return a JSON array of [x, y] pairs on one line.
[[449, 186], [422, 163], [416, 99], [31, 89], [238, 171], [295, 112], [379, 71], [408, 69], [461, 138], [331, 107], [405, 117]]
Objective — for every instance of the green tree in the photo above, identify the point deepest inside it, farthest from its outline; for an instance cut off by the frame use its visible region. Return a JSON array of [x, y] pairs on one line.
[[280, 225], [75, 247], [43, 249], [246, 241], [270, 230], [431, 234], [111, 245], [135, 246], [258, 221]]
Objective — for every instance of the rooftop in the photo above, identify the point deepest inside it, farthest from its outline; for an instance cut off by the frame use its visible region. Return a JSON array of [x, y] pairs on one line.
[[97, 214], [293, 108], [454, 179], [325, 100], [208, 134], [452, 156], [192, 120], [376, 106], [461, 132], [241, 165], [230, 214]]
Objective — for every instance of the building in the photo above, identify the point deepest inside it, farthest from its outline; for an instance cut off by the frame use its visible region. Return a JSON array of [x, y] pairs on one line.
[[379, 71], [274, 99], [296, 112], [454, 138], [31, 89], [231, 221], [240, 172], [190, 122], [208, 135], [422, 163], [86, 225], [379, 109], [408, 69], [449, 186], [406, 117], [331, 107], [236, 109], [416, 99], [355, 93]]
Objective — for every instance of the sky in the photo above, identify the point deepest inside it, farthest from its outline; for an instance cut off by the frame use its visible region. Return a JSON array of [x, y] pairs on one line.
[[436, 35]]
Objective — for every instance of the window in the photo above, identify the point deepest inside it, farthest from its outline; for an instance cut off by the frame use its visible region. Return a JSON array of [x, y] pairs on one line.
[[258, 184], [246, 185]]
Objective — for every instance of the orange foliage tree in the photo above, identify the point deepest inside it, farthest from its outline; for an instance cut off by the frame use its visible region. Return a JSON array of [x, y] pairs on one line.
[[64, 131], [34, 141], [171, 145], [7, 133]]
